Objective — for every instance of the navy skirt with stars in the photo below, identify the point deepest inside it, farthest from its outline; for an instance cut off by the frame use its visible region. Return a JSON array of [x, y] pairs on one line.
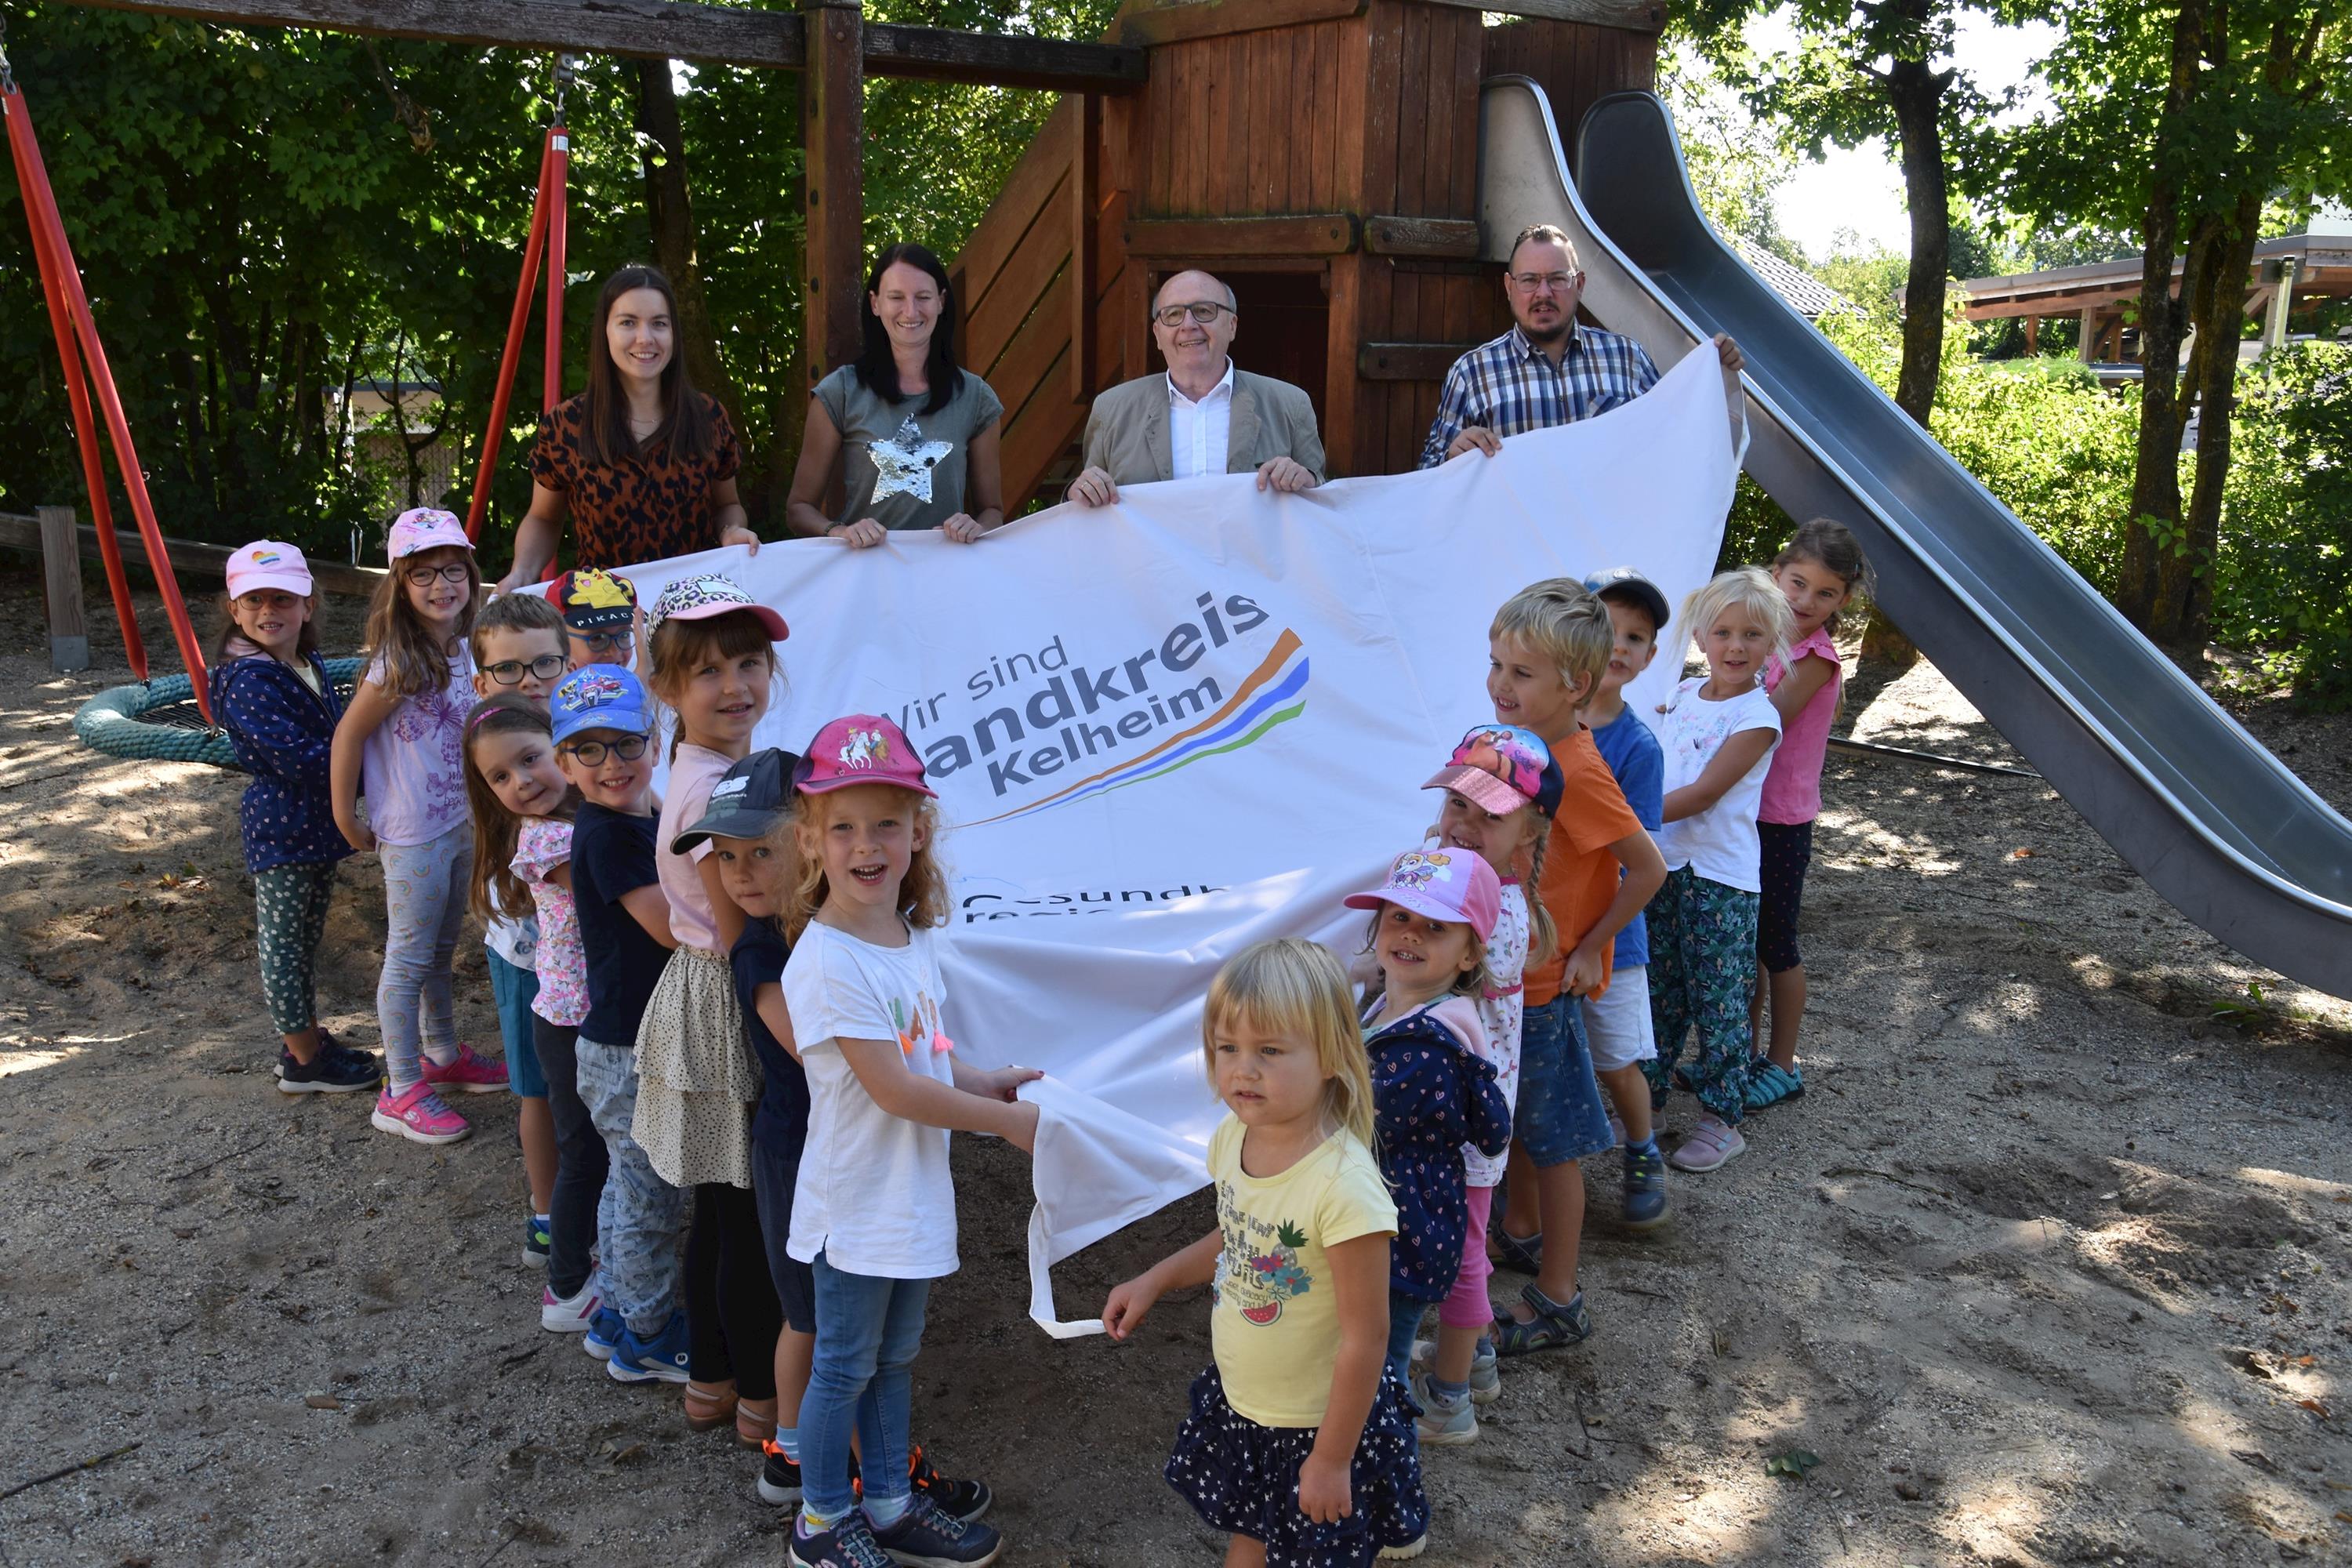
[[1243, 1478]]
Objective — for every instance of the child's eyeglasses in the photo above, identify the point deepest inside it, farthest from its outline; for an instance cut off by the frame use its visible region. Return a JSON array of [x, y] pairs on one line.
[[422, 577], [607, 642], [591, 752], [510, 671]]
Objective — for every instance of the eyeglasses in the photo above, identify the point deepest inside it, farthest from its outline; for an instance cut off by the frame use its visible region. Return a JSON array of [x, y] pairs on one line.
[[1202, 311], [510, 671], [1556, 282], [422, 577], [606, 642], [629, 747]]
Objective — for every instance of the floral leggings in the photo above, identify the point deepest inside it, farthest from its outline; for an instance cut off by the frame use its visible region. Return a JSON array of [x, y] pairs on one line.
[[424, 902], [290, 907], [1702, 970]]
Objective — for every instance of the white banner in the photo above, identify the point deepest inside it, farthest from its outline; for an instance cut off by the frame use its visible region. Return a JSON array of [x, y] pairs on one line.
[[1168, 728]]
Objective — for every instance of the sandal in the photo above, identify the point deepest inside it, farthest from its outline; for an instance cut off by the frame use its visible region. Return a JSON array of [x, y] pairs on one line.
[[705, 1409], [755, 1420], [1524, 1253], [1769, 1083], [1554, 1325]]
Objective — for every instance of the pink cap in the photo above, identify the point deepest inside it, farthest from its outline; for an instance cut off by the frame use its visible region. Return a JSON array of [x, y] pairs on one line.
[[700, 598], [268, 563], [1454, 885], [425, 528], [862, 749]]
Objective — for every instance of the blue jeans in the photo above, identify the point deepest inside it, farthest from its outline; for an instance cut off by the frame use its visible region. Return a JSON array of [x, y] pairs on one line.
[[867, 1332], [1404, 1322], [1559, 1116], [512, 987], [424, 904], [648, 1216]]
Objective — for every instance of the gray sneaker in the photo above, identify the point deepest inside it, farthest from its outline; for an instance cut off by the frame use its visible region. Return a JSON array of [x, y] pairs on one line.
[[1441, 1424], [1645, 1189], [1486, 1380]]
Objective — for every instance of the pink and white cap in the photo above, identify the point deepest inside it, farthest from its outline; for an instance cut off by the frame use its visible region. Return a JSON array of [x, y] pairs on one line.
[[268, 563], [425, 528], [1453, 885], [861, 749]]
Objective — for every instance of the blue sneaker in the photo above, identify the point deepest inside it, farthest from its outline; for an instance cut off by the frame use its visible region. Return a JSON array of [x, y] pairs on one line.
[[661, 1359], [536, 1240], [603, 1335]]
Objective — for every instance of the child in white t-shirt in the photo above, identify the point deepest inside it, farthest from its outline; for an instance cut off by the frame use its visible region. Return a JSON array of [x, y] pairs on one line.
[[1717, 735], [874, 1207]]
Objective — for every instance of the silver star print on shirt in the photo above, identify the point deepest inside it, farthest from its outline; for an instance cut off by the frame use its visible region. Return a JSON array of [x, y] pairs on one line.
[[903, 464]]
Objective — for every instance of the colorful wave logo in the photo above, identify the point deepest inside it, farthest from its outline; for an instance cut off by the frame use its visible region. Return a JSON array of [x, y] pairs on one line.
[[1274, 693]]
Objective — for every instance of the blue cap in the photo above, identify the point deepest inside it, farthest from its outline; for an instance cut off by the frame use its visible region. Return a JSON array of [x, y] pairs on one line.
[[599, 697]]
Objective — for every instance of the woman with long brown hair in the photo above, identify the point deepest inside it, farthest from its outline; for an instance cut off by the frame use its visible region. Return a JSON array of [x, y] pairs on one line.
[[643, 464]]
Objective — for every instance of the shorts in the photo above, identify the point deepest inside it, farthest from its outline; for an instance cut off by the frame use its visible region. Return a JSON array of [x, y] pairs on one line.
[[1617, 1022], [1559, 1116], [513, 988], [1785, 852], [774, 1176]]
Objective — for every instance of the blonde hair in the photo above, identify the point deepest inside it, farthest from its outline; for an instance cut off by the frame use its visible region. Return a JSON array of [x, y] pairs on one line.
[[1748, 588], [413, 661], [1543, 936], [677, 645], [1563, 624], [1296, 988], [923, 896]]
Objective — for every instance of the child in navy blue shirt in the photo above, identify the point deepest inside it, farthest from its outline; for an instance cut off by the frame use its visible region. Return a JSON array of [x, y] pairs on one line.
[[270, 691], [603, 741], [1617, 1024], [1432, 1088]]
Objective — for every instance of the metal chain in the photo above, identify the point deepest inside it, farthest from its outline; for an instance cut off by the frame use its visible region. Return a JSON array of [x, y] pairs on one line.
[[565, 69], [8, 72]]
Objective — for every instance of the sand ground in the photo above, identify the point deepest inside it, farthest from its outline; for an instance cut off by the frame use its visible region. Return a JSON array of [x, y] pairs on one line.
[[2050, 1266]]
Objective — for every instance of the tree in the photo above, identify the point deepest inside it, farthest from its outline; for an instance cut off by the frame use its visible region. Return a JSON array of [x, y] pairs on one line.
[[2177, 121], [1865, 69]]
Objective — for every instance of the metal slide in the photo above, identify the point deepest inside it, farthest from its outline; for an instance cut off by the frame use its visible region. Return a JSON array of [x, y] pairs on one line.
[[2215, 822]]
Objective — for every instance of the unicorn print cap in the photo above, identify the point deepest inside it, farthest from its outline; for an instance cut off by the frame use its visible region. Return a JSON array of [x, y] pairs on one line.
[[598, 696], [700, 598], [1456, 886], [859, 750], [425, 528], [268, 563], [1502, 767]]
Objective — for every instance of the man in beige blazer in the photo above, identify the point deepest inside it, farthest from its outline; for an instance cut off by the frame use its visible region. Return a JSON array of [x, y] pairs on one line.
[[1204, 416]]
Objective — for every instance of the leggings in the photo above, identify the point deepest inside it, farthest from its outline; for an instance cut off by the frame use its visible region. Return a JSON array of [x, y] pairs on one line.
[[732, 1317], [581, 1161], [290, 906], [1702, 972], [425, 901], [1785, 850]]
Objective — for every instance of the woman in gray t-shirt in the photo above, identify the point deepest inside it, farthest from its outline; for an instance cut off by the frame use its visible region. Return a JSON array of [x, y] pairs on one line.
[[917, 434]]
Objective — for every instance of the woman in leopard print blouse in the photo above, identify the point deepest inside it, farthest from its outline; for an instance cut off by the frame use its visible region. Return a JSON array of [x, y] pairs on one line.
[[643, 463]]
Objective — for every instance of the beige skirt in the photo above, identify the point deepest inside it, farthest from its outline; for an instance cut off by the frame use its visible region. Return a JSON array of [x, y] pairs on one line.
[[697, 1078]]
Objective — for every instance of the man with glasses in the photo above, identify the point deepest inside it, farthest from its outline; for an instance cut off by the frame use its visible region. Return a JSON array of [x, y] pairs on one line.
[[1204, 416], [1547, 370]]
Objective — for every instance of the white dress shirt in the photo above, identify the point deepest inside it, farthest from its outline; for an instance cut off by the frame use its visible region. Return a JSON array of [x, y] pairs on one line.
[[1200, 433]]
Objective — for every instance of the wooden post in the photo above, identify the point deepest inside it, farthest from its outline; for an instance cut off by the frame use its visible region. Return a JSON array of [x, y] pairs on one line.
[[832, 132], [2088, 346], [61, 585], [2032, 336], [1085, 191]]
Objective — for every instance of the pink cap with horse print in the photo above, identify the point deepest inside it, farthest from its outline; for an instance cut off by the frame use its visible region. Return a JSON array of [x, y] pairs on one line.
[[862, 749]]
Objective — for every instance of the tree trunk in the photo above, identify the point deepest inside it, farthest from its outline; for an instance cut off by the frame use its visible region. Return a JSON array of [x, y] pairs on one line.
[[1918, 94], [2156, 470], [2184, 605], [671, 215]]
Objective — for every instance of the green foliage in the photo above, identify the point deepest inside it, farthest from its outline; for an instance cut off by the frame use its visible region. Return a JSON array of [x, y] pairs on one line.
[[2284, 580], [1735, 158]]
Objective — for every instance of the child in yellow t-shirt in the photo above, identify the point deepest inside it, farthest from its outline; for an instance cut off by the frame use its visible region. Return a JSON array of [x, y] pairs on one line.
[[1300, 1440]]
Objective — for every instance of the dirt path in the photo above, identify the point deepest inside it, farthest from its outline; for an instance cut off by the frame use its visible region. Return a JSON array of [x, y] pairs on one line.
[[2049, 1266]]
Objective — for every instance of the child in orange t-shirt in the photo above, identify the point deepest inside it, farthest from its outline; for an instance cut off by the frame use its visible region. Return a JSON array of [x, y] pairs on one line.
[[1548, 648]]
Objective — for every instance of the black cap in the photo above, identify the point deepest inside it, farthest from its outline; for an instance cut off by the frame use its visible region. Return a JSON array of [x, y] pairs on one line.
[[1623, 582], [749, 799]]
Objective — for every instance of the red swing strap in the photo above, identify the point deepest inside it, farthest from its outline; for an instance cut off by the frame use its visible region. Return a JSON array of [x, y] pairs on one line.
[[70, 320], [549, 223]]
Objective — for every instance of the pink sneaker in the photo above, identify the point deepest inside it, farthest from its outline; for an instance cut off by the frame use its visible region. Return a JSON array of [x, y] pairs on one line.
[[418, 1115], [1712, 1144], [469, 1074]]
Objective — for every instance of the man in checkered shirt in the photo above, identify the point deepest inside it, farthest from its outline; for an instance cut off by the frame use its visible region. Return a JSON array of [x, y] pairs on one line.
[[1547, 370]]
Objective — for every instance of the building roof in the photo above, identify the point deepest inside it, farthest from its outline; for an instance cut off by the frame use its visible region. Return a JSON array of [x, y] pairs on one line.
[[1805, 294], [2321, 259]]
